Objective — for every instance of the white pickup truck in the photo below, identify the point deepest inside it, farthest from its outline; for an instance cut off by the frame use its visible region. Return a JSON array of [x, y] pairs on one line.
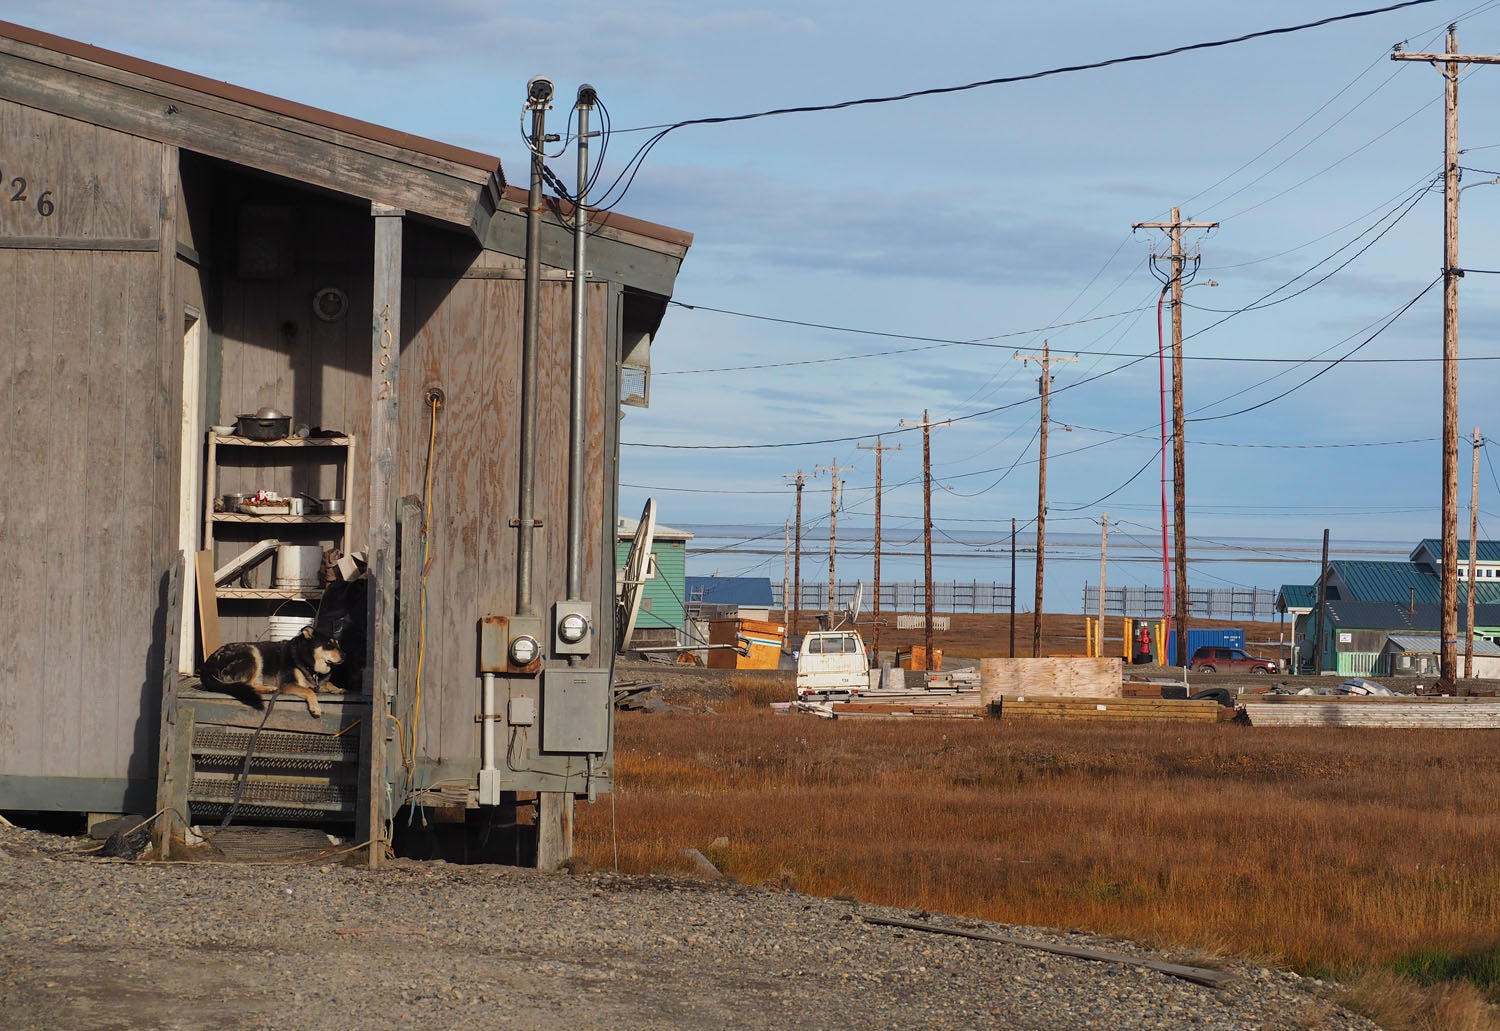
[[832, 664]]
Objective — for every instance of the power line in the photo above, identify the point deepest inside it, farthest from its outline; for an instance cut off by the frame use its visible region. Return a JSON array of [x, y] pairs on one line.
[[628, 173]]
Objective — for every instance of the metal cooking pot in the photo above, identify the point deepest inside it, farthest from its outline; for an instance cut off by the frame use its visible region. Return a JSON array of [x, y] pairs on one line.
[[325, 506], [272, 426]]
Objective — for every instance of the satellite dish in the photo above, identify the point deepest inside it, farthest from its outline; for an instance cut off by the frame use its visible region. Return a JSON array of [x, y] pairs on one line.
[[851, 614], [640, 566]]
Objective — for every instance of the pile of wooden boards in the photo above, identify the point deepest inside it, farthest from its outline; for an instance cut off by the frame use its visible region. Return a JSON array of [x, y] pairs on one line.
[[1410, 712], [1033, 708]]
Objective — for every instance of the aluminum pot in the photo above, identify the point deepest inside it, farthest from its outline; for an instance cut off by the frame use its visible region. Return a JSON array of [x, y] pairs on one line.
[[324, 506], [266, 424]]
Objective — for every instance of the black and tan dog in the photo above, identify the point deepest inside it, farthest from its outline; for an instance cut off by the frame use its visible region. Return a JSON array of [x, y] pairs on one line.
[[297, 667]]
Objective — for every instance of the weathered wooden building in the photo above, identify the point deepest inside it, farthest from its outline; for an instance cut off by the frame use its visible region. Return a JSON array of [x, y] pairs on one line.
[[176, 252]]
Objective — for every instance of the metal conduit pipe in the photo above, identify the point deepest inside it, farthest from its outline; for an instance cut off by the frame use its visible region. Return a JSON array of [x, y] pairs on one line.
[[576, 384], [538, 97], [487, 720]]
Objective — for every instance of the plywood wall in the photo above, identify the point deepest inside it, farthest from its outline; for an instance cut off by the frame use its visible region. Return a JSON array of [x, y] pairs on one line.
[[88, 423]]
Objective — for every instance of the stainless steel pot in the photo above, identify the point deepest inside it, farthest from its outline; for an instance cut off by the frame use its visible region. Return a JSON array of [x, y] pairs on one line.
[[324, 506], [263, 427]]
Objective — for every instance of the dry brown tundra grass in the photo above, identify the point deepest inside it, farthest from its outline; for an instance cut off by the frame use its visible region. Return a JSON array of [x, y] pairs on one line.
[[1330, 851]]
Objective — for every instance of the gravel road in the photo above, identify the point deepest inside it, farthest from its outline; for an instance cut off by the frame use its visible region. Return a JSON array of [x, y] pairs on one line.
[[94, 943]]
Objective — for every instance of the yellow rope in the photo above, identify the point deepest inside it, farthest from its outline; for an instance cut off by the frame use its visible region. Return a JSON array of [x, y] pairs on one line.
[[432, 404]]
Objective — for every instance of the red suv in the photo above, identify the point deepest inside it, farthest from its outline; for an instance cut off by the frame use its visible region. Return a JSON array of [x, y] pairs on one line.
[[1229, 660]]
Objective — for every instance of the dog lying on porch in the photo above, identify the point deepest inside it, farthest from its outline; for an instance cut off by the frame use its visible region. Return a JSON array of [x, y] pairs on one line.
[[297, 667]]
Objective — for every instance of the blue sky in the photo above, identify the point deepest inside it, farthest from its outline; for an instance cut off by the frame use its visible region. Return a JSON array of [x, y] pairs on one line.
[[1000, 215]]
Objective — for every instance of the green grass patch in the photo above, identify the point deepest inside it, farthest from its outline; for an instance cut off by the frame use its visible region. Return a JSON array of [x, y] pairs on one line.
[[1480, 967]]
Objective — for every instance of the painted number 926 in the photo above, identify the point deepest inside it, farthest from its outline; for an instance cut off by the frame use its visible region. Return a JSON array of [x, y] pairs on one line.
[[19, 194]]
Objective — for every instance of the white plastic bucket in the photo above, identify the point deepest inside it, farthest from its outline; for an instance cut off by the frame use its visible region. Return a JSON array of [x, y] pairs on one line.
[[284, 628], [298, 565]]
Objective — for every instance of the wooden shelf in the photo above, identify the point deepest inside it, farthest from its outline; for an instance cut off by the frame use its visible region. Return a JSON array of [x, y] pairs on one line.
[[235, 528], [245, 517], [270, 593], [222, 438]]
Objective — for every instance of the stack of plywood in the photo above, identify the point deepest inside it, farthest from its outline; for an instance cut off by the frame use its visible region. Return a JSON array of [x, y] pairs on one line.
[[1071, 677]]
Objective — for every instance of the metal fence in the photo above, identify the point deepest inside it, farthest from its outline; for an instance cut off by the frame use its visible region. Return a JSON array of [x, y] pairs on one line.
[[947, 596], [1252, 603]]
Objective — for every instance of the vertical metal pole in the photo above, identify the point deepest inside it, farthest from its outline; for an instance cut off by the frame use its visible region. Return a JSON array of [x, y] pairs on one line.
[[537, 101], [1473, 549], [1322, 608], [577, 383], [927, 535]]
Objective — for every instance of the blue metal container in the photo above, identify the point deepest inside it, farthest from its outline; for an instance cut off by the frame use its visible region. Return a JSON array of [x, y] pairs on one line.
[[1233, 637]]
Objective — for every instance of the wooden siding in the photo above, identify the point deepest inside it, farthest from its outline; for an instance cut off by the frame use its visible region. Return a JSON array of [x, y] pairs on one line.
[[465, 340], [88, 518], [235, 130]]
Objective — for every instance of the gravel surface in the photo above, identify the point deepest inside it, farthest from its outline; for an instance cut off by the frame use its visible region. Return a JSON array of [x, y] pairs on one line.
[[94, 943]]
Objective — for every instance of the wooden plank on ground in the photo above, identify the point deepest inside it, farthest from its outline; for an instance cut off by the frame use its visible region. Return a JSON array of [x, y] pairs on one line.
[[1105, 709]]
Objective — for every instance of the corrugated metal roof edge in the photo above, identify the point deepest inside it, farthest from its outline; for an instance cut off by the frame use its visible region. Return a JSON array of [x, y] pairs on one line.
[[486, 163]]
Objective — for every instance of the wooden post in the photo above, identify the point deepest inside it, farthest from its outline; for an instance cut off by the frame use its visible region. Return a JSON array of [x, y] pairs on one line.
[[554, 829], [171, 779], [1174, 229], [1044, 387], [833, 523], [879, 449], [1103, 554], [795, 604], [1450, 64], [385, 354], [927, 425]]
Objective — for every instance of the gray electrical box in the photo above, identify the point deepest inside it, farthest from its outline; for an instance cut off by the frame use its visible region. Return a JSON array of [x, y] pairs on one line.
[[575, 709]]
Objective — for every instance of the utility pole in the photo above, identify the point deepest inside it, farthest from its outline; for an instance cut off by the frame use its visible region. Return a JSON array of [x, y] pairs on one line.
[[879, 449], [795, 604], [1473, 550], [1012, 587], [786, 577], [1044, 387], [1450, 63], [1174, 230], [927, 526], [1103, 552], [833, 528]]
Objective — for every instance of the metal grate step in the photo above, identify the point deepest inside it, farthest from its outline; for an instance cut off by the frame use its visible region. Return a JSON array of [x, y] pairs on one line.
[[295, 794], [211, 739]]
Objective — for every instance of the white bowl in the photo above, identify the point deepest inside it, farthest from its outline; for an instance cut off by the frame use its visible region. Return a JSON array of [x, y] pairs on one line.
[[223, 431]]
